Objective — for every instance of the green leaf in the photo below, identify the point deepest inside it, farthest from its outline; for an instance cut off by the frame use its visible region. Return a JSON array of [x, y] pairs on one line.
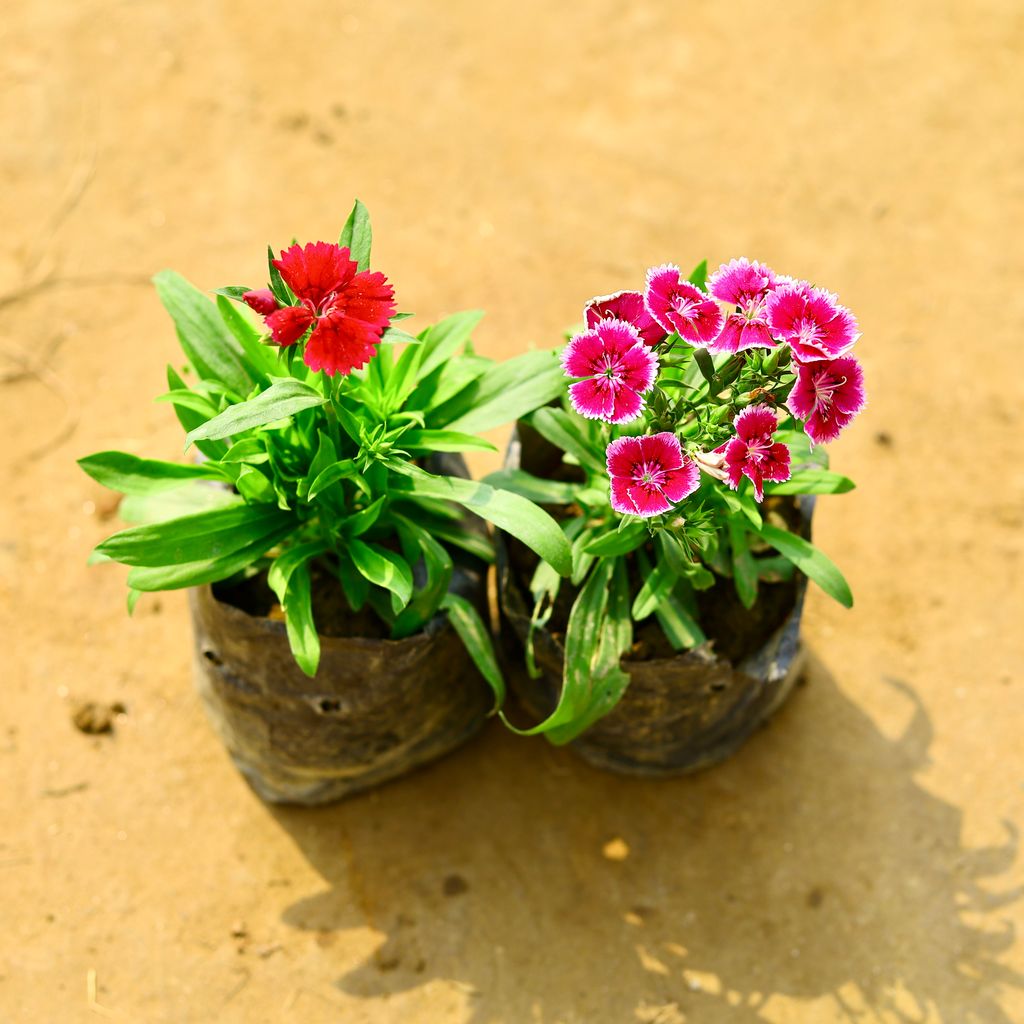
[[505, 392], [282, 399], [189, 418], [744, 569], [679, 627], [281, 291], [657, 586], [131, 475], [509, 512], [598, 634], [442, 340], [195, 574], [444, 441], [358, 523], [250, 450], [570, 434], [357, 235], [699, 276], [809, 560], [438, 564], [289, 578], [203, 536], [705, 364], [546, 492], [477, 641], [383, 568], [332, 474], [813, 481], [619, 542], [206, 342], [185, 500], [262, 359], [461, 537]]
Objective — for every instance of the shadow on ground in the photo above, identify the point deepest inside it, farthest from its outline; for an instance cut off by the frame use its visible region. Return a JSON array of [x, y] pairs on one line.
[[812, 865]]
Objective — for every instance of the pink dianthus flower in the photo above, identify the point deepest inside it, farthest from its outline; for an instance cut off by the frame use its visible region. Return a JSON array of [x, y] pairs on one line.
[[827, 394], [678, 305], [348, 311], [628, 307], [649, 474], [747, 285], [752, 453], [619, 369], [812, 321]]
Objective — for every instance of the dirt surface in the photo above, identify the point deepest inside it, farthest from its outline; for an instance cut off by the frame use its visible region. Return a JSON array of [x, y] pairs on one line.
[[858, 860]]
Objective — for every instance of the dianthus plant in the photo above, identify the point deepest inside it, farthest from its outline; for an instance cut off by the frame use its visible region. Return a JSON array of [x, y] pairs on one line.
[[695, 414], [315, 427]]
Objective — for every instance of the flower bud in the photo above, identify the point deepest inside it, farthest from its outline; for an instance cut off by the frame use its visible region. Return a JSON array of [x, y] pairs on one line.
[[721, 414], [771, 362], [712, 463], [261, 301]]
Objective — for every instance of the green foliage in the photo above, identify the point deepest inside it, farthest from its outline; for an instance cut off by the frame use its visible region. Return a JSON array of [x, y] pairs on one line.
[[296, 468]]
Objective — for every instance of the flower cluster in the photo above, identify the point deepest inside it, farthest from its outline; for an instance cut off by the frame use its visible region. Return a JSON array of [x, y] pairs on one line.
[[767, 348]]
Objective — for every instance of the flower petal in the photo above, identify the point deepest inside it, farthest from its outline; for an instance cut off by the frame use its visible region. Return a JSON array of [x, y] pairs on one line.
[[623, 456], [663, 448], [315, 270], [368, 297], [682, 482], [340, 344], [742, 281], [755, 422], [648, 500], [582, 356], [638, 368], [289, 324], [621, 501], [628, 307], [626, 404], [593, 398]]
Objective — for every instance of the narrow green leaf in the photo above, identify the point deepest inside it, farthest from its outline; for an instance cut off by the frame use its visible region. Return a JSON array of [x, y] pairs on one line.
[[744, 569], [210, 348], [444, 441], [570, 434], [282, 399], [509, 512], [195, 574], [504, 393], [705, 364], [185, 500], [545, 492], [442, 340], [427, 599], [262, 359], [619, 542], [813, 481], [678, 625], [809, 560], [477, 640], [343, 470], [202, 536], [289, 578], [383, 568], [189, 418], [357, 235], [358, 523], [131, 475], [657, 586], [699, 276]]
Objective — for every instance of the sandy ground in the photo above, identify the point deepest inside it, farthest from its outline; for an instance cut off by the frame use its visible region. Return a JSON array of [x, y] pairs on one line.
[[858, 860]]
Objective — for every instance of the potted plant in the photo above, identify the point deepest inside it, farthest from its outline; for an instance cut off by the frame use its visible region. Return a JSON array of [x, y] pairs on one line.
[[682, 465], [332, 544]]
